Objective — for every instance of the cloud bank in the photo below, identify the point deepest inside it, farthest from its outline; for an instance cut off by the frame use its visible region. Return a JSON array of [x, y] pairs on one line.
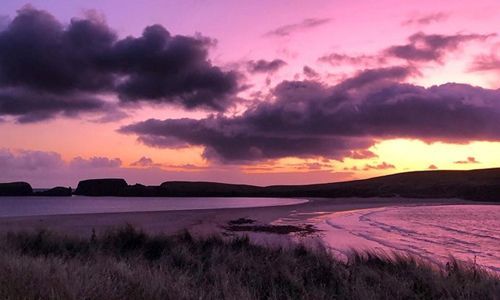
[[309, 119]]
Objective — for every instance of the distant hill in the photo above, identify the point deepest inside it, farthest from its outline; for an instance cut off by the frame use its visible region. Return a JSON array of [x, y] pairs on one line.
[[481, 185]]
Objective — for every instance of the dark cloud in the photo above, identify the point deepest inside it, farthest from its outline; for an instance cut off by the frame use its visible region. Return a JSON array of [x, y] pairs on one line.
[[286, 30], [469, 160], [381, 166], [426, 20], [431, 47], [337, 59], [370, 76], [227, 141], [95, 162], [264, 66], [159, 67], [310, 72], [308, 119], [432, 167], [4, 22], [37, 52], [421, 47], [60, 69], [31, 106]]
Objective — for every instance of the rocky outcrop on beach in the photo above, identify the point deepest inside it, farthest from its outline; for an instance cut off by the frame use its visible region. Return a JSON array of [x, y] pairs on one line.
[[15, 189], [102, 187]]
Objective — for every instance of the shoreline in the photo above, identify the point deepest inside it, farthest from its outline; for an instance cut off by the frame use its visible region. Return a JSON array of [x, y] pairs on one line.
[[269, 226], [203, 221]]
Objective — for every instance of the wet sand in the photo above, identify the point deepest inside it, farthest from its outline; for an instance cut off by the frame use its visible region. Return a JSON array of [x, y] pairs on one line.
[[203, 222]]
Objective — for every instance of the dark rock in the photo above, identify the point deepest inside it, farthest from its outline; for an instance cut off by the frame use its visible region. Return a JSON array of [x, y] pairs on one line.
[[241, 221], [15, 189], [58, 191], [140, 190], [101, 187]]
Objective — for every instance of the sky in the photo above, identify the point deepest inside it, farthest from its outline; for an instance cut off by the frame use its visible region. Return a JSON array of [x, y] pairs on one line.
[[258, 92]]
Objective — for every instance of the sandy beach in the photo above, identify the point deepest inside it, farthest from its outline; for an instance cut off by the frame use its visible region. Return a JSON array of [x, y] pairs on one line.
[[203, 222]]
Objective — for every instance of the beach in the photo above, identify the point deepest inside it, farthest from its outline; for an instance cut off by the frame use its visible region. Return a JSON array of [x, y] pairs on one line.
[[203, 222]]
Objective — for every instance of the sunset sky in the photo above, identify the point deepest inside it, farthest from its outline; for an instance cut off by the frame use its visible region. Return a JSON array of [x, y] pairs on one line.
[[259, 92]]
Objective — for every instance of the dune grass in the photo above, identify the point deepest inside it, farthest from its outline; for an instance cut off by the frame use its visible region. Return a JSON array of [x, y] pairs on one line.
[[129, 264]]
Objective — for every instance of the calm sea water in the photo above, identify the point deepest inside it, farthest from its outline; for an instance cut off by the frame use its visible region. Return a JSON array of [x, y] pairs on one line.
[[467, 232], [36, 206]]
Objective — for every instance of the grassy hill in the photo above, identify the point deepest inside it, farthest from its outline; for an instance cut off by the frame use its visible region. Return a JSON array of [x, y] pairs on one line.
[[481, 184]]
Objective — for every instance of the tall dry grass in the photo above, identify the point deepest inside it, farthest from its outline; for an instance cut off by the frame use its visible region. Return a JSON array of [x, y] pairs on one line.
[[129, 264]]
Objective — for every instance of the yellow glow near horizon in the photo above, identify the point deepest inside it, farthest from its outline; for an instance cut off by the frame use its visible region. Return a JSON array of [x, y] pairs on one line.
[[404, 154], [418, 155]]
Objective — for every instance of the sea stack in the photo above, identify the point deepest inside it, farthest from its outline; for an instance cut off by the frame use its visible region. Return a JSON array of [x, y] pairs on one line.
[[15, 189], [101, 187]]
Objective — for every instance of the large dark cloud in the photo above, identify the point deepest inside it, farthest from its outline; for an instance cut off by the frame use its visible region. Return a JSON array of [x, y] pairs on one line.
[[231, 140], [36, 51], [41, 56], [431, 47], [308, 119], [164, 68]]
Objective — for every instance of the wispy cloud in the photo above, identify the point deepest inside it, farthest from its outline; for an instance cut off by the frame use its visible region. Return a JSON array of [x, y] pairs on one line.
[[381, 166], [469, 160], [423, 47], [426, 19], [288, 29], [145, 162]]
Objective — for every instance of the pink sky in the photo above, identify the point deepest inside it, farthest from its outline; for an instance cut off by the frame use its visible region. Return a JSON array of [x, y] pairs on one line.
[[336, 40]]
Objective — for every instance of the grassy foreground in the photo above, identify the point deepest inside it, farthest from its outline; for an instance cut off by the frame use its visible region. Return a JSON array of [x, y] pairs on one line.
[[128, 264]]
